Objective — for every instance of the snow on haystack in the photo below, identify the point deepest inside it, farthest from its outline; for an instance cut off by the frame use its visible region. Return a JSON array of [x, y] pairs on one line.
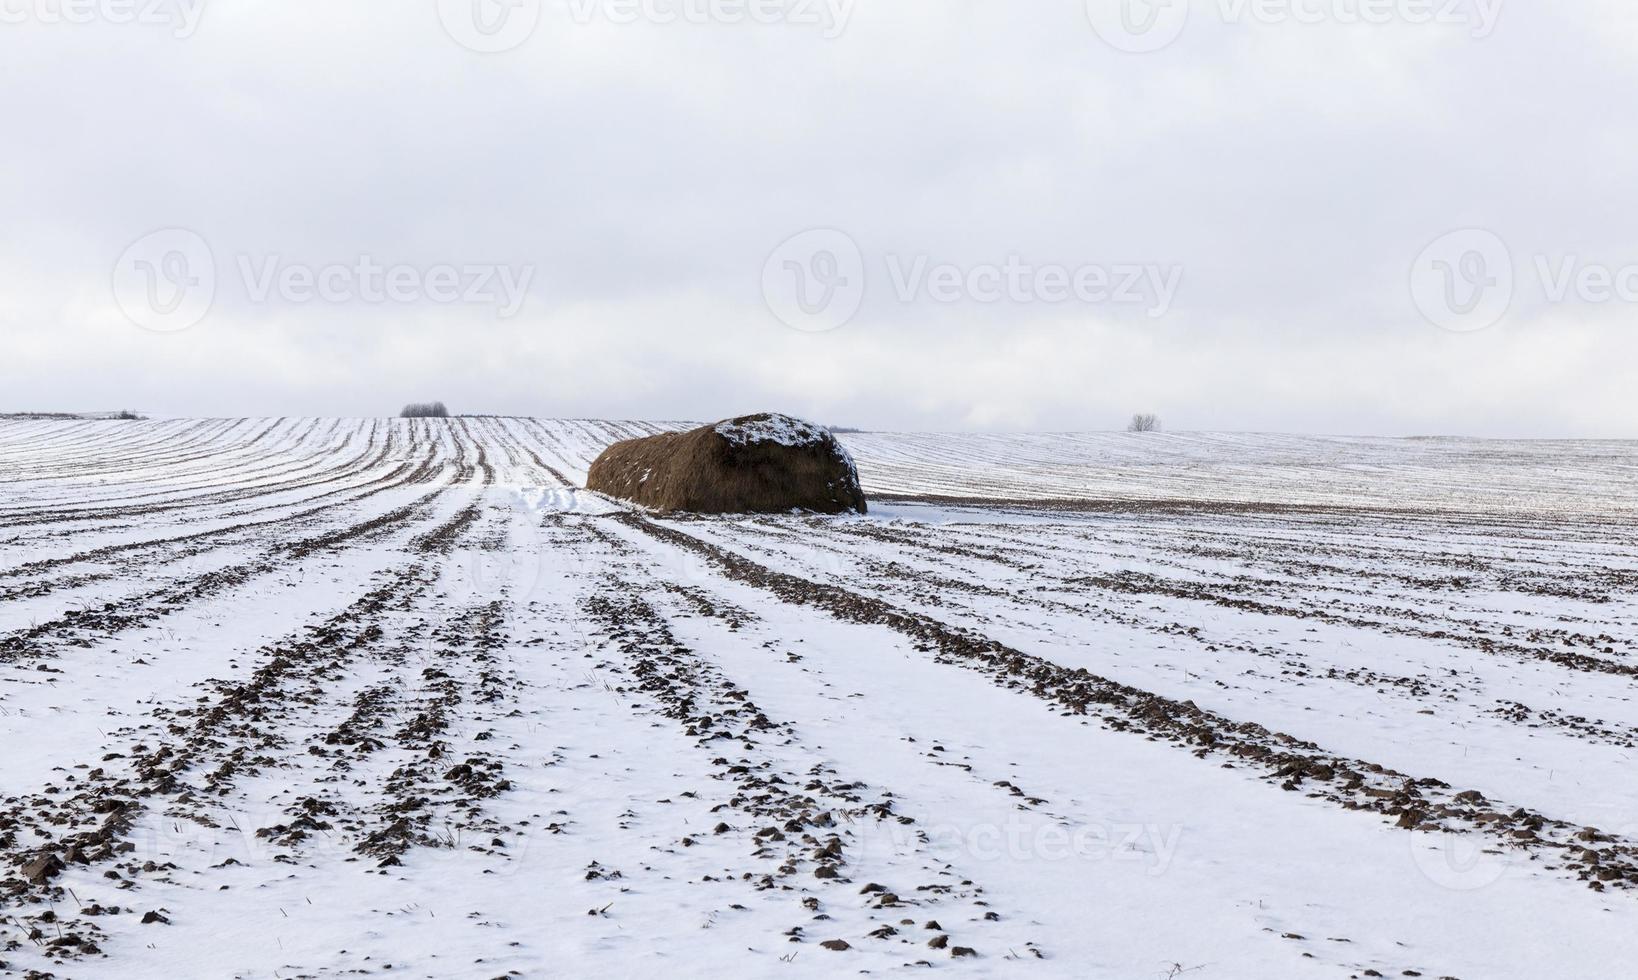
[[786, 430], [771, 427]]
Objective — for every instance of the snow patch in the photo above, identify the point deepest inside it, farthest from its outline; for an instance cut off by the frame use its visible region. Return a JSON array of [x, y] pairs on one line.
[[562, 500], [783, 429]]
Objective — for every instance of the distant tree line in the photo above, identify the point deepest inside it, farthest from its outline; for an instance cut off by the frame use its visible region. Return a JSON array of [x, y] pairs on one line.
[[424, 410]]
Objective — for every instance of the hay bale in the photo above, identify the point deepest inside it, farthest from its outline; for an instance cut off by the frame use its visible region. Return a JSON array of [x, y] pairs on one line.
[[755, 464]]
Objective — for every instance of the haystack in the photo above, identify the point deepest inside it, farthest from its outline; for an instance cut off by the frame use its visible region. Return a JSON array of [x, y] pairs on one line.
[[756, 464]]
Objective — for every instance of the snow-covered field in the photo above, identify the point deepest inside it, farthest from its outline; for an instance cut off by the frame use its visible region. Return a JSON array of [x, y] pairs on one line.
[[393, 698]]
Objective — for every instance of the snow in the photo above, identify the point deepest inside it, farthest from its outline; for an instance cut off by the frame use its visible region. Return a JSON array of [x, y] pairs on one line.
[[772, 427], [276, 647]]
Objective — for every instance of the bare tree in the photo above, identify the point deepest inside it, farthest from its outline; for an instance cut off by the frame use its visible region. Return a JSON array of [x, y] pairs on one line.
[[424, 410], [1144, 422]]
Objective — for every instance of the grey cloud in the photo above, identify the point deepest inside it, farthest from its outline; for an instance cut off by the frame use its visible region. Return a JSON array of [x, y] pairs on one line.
[[646, 171]]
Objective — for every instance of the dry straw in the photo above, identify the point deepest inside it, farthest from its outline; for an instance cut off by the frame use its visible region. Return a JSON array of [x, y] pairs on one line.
[[757, 464]]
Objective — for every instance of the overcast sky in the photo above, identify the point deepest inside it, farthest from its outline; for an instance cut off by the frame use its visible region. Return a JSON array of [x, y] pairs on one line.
[[1027, 221]]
